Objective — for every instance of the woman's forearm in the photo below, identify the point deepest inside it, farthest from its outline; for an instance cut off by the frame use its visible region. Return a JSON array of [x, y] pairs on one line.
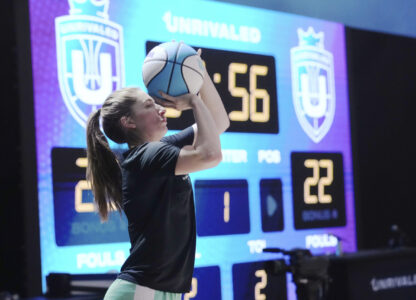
[[212, 100], [207, 140]]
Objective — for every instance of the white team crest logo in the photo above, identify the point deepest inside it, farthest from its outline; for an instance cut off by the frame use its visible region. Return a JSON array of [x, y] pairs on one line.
[[90, 56], [313, 84]]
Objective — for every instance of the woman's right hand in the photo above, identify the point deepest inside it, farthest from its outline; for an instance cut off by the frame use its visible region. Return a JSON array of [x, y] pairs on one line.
[[181, 103]]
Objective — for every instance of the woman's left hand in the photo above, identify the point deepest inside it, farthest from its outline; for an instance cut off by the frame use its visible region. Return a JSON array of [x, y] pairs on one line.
[[182, 102]]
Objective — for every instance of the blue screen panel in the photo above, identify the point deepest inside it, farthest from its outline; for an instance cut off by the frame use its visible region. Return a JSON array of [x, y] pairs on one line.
[[286, 176]]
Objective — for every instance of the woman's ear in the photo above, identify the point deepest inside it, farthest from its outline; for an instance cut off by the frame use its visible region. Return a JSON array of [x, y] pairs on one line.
[[127, 122]]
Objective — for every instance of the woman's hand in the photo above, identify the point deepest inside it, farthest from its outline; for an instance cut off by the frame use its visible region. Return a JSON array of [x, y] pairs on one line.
[[182, 102]]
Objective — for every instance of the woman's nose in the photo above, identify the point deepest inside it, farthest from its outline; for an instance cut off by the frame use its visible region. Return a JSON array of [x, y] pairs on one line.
[[162, 110]]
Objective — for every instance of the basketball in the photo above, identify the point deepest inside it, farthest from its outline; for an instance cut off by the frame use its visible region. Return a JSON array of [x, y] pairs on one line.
[[173, 68]]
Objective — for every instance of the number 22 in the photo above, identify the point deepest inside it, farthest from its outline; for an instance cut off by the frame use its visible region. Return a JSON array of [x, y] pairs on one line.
[[315, 165]]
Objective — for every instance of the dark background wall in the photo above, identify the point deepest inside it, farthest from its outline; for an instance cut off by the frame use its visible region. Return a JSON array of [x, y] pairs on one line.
[[382, 75], [19, 232], [11, 233], [382, 78]]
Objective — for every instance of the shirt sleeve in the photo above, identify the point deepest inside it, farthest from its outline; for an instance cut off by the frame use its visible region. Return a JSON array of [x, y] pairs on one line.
[[180, 139], [160, 158]]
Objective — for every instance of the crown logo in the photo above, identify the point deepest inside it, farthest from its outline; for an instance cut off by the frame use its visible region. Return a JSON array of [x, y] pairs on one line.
[[311, 38], [97, 8]]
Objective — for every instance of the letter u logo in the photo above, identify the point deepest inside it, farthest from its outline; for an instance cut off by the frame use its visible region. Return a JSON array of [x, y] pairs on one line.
[[85, 79], [314, 94]]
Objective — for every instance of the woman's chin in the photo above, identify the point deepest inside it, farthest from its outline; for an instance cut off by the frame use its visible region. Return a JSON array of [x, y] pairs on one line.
[[163, 131]]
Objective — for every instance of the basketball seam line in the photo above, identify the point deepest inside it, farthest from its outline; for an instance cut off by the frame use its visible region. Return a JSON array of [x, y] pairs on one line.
[[200, 74], [177, 64], [196, 71], [171, 73], [186, 84], [157, 74]]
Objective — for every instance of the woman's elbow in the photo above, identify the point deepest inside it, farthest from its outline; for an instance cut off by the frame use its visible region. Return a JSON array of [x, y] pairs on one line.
[[218, 157], [224, 125], [213, 158], [227, 123]]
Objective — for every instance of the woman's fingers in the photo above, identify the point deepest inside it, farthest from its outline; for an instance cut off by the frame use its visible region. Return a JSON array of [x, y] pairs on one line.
[[158, 100], [199, 51], [181, 102], [169, 104], [166, 96], [164, 103]]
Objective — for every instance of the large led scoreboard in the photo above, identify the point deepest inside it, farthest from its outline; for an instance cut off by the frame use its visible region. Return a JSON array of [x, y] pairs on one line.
[[286, 177]]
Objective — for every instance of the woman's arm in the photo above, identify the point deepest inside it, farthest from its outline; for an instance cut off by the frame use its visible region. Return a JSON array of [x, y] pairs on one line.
[[214, 104], [206, 151]]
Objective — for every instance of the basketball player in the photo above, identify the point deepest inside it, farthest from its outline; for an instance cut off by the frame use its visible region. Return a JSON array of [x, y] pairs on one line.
[[151, 185]]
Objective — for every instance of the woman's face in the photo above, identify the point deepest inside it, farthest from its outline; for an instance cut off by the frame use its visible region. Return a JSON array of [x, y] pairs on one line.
[[149, 118]]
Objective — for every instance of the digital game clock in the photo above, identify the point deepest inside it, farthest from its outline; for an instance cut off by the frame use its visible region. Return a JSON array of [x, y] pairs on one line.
[[247, 85]]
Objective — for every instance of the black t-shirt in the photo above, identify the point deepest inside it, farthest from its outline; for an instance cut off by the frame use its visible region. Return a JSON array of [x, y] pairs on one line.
[[161, 217]]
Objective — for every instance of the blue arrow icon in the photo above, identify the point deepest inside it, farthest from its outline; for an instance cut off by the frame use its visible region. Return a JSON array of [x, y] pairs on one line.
[[271, 205]]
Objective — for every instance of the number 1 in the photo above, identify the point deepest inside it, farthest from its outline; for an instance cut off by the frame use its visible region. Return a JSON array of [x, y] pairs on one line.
[[226, 207]]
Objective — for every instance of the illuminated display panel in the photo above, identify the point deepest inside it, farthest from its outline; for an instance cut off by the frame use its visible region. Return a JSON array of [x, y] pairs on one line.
[[246, 83], [286, 176]]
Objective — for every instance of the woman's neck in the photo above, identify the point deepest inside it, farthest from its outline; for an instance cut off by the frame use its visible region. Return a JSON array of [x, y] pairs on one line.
[[140, 141]]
